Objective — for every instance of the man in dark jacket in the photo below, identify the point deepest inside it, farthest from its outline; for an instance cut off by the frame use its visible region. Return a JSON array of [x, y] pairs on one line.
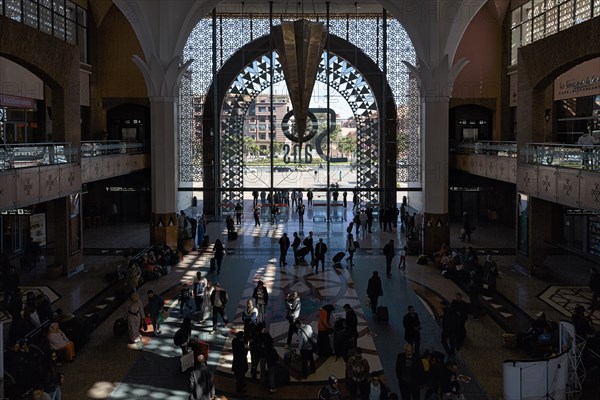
[[388, 251], [412, 329], [202, 385], [239, 365], [295, 246], [351, 323], [218, 299], [261, 298], [320, 250], [449, 329], [409, 371], [284, 245], [374, 290]]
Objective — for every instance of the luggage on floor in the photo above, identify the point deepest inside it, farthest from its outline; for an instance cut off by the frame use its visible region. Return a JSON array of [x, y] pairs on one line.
[[205, 241], [282, 374], [199, 347], [232, 235], [338, 257], [120, 327], [213, 264], [382, 314], [356, 245], [187, 361], [303, 251]]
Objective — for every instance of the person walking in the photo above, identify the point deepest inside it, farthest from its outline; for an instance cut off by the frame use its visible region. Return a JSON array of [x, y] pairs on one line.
[[345, 198], [351, 324], [449, 328], [320, 251], [409, 371], [198, 291], [388, 251], [256, 215], [155, 307], [292, 307], [308, 242], [218, 299], [331, 391], [261, 298], [305, 344], [135, 313], [295, 246], [374, 290], [202, 383], [357, 375], [300, 211], [294, 197], [402, 263], [465, 232], [219, 252], [412, 329], [185, 296], [238, 213], [350, 248], [239, 365], [284, 245], [309, 197], [183, 335]]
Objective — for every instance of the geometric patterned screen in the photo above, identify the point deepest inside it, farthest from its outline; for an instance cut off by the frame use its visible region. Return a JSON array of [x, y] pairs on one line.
[[258, 76], [364, 31]]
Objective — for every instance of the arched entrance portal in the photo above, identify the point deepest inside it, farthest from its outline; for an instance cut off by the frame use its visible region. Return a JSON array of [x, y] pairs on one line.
[[257, 149]]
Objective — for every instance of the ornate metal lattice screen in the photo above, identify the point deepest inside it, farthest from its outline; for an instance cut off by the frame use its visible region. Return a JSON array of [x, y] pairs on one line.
[[256, 77], [365, 31]]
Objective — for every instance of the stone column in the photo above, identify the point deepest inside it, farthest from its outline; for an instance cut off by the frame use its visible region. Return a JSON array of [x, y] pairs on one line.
[[436, 88], [163, 79]]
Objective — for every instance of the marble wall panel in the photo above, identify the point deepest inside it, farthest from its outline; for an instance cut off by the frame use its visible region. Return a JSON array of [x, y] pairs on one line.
[[567, 187], [589, 190], [546, 183], [103, 167], [8, 190], [28, 186], [70, 179], [527, 176]]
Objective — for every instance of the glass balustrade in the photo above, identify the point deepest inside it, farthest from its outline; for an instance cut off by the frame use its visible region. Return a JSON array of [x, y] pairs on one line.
[[561, 155], [500, 149], [107, 147]]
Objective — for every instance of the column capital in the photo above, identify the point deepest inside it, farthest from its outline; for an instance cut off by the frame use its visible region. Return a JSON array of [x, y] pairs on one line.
[[436, 81], [162, 77]]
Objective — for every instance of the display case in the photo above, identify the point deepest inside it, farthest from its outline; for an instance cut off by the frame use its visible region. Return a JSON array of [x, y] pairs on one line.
[[594, 235]]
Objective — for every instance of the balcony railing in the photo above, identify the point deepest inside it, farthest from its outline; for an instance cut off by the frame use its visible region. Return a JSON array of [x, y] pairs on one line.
[[490, 148], [561, 155], [23, 155], [107, 147]]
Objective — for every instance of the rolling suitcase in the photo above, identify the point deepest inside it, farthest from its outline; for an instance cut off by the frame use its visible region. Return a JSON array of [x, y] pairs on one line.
[[302, 252], [232, 235], [382, 314], [213, 264], [337, 259]]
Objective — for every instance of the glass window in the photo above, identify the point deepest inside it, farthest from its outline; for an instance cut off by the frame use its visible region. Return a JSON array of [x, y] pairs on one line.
[[583, 11], [566, 15], [552, 21], [81, 16], [526, 33], [596, 8], [46, 20], [516, 17], [71, 11], [59, 7], [13, 9], [82, 39], [1, 6], [30, 10], [515, 44], [71, 32], [527, 12], [538, 7], [538, 28], [59, 26]]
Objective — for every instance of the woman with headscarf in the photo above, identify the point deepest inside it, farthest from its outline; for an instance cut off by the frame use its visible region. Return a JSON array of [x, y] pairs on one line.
[[135, 313], [59, 341]]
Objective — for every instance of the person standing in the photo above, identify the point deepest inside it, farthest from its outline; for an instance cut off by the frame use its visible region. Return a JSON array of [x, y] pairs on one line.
[[135, 316], [331, 391], [324, 329], [587, 142], [255, 197], [198, 292], [219, 252], [284, 245], [345, 198], [239, 365], [465, 232], [256, 214], [295, 246], [377, 389], [350, 249], [355, 201], [369, 213], [155, 307], [309, 197], [292, 307], [308, 242], [294, 197], [357, 375], [185, 296], [388, 251], [409, 371], [320, 251], [238, 213], [595, 288], [305, 344], [250, 318], [374, 290], [402, 263], [351, 324], [449, 327], [412, 329], [218, 299], [183, 335], [201, 385], [261, 298], [300, 211]]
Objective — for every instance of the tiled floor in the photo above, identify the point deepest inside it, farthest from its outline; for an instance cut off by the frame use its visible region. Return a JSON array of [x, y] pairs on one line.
[[106, 367]]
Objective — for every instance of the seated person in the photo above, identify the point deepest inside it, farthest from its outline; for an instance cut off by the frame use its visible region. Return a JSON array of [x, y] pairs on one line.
[[582, 324], [59, 341], [538, 340], [230, 224]]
